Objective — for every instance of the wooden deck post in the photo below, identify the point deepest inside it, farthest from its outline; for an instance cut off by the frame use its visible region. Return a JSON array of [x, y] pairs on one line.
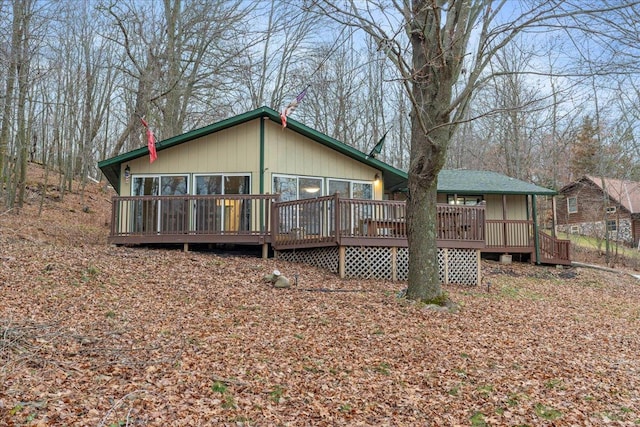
[[479, 263], [342, 253], [394, 263], [265, 250], [186, 247], [445, 262]]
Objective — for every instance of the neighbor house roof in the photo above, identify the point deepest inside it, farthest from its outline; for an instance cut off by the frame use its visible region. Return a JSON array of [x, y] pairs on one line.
[[393, 178], [626, 193], [463, 181]]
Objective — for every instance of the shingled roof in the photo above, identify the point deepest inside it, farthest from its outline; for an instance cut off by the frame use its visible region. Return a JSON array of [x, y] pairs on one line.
[[462, 181]]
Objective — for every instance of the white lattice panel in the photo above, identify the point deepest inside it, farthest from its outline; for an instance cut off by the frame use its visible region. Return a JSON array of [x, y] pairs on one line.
[[402, 269], [458, 266], [326, 258], [463, 266], [442, 264], [368, 262]]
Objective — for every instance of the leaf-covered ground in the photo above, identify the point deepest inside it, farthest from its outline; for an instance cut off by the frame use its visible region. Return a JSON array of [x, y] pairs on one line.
[[95, 335]]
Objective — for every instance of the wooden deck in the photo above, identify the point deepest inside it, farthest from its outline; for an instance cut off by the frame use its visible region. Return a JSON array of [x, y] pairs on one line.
[[313, 223]]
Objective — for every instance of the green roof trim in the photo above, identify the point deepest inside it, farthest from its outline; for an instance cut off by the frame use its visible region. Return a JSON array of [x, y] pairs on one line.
[[463, 181], [458, 181], [393, 178]]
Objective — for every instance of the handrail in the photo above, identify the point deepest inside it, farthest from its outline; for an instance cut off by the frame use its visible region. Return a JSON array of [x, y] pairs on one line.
[[191, 214], [321, 221], [300, 223]]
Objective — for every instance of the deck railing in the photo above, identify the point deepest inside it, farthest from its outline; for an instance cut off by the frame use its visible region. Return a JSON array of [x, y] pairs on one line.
[[189, 218], [322, 221], [355, 222], [552, 250], [509, 233]]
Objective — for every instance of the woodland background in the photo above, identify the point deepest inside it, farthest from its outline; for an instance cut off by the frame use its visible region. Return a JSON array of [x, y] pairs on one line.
[[75, 76], [92, 334]]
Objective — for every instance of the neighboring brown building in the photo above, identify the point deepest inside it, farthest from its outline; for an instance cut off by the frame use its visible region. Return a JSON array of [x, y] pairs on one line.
[[592, 206]]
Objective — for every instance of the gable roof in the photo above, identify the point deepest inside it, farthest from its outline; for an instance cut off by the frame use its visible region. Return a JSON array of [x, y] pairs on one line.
[[463, 181], [393, 178], [624, 192]]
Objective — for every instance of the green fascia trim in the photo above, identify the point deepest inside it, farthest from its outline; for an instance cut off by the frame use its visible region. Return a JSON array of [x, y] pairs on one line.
[[392, 177]]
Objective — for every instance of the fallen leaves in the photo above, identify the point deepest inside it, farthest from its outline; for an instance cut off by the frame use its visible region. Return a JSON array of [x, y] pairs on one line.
[[98, 335]]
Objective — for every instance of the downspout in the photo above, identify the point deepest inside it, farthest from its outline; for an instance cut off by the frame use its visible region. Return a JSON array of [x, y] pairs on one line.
[[535, 228]]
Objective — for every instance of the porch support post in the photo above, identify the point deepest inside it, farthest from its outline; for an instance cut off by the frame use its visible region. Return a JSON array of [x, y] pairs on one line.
[[394, 263], [342, 254], [265, 250], [186, 247], [536, 241], [479, 264]]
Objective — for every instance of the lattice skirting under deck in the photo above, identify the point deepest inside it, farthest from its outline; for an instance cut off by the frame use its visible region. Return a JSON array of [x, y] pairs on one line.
[[461, 266]]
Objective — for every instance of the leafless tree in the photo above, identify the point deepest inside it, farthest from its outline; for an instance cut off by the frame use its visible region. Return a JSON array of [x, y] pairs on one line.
[[443, 49]]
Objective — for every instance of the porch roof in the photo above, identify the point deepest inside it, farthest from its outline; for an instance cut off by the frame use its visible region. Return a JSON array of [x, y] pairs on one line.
[[393, 178], [462, 181]]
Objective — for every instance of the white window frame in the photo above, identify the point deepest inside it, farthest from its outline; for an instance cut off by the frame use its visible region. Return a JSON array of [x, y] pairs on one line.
[[222, 175], [351, 182], [610, 210], [574, 229], [158, 225], [575, 199]]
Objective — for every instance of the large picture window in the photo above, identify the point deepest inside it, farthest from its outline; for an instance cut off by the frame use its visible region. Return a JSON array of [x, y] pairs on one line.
[[222, 214], [308, 216]]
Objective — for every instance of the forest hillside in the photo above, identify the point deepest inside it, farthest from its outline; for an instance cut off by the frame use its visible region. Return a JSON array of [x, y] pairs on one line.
[[97, 335]]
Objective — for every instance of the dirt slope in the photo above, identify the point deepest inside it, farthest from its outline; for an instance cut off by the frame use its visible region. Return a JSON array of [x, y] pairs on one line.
[[94, 335]]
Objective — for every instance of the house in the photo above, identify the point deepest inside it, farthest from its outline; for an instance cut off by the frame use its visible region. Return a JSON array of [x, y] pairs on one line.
[[310, 198], [511, 217], [594, 206]]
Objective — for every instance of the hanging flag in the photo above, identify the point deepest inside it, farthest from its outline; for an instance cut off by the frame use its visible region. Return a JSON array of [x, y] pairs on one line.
[[151, 142], [378, 148], [292, 106]]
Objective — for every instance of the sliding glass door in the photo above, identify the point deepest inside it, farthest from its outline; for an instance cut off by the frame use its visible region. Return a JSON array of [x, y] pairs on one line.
[[222, 214]]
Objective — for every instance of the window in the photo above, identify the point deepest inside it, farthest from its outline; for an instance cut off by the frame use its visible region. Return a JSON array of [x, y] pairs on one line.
[[297, 187], [222, 214], [574, 229], [300, 218], [612, 225], [611, 209], [457, 199], [572, 205], [351, 189], [152, 215]]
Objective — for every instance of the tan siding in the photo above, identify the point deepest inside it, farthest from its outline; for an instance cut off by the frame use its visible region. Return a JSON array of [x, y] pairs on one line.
[[237, 150], [234, 150], [290, 153], [517, 207], [494, 206]]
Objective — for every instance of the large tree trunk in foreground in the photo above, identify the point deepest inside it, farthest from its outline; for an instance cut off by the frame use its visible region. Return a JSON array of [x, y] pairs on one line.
[[436, 60]]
